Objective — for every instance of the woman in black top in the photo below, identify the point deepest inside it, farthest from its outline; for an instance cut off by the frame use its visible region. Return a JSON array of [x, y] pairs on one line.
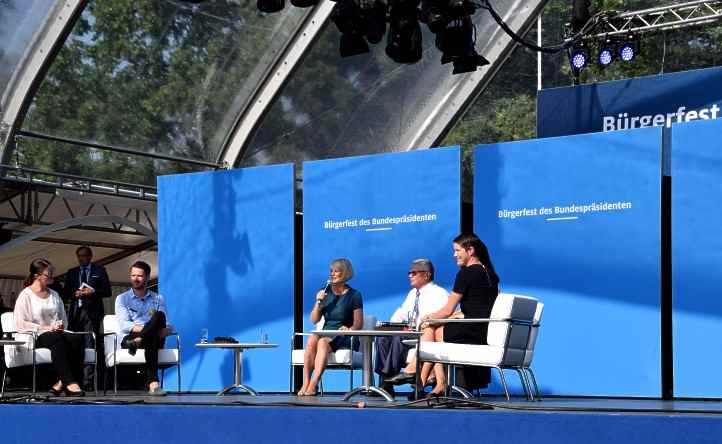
[[475, 289]]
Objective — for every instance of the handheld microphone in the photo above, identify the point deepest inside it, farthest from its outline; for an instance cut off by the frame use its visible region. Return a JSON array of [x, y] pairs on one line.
[[326, 284]]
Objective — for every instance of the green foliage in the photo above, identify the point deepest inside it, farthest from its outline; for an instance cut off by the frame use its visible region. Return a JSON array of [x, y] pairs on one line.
[[155, 75]]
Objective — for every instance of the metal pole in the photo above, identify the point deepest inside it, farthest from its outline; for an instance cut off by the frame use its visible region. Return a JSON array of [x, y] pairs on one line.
[[539, 54], [117, 149]]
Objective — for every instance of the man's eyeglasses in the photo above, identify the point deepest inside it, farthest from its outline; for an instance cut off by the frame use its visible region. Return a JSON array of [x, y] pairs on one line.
[[415, 272]]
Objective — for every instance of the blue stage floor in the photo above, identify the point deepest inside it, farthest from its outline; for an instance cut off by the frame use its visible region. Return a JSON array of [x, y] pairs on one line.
[[191, 418]]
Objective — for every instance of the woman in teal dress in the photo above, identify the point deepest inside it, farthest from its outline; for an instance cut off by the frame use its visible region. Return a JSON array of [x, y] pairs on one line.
[[342, 309]]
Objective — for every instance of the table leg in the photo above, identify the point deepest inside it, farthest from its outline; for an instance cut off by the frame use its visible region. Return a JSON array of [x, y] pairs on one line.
[[237, 375], [368, 375], [418, 386]]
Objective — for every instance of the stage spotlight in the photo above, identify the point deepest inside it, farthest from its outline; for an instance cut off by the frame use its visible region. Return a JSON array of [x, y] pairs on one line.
[[374, 16], [346, 15], [352, 44], [434, 14], [606, 55], [469, 63], [403, 41], [579, 59], [457, 44], [303, 3], [270, 6], [628, 51]]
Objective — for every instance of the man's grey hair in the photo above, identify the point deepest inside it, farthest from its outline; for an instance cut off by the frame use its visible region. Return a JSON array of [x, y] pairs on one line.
[[424, 265]]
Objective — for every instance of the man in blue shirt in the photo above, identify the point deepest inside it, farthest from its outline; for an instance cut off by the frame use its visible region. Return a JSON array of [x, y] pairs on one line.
[[142, 321]]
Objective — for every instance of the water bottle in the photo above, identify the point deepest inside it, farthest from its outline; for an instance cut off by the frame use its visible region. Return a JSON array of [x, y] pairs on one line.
[[204, 336], [264, 337]]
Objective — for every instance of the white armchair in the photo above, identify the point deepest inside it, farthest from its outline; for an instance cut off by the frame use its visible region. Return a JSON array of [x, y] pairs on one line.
[[342, 359], [115, 355], [28, 355], [511, 337]]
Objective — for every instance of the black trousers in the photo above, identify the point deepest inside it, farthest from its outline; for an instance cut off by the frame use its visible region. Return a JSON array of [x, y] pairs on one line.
[[67, 352], [390, 356], [80, 319], [151, 342]]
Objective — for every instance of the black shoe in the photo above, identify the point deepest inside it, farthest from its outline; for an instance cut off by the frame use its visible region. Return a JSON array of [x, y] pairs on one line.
[[131, 345], [55, 392], [401, 378]]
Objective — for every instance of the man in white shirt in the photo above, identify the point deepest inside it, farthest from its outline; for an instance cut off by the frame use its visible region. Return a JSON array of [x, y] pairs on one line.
[[425, 297]]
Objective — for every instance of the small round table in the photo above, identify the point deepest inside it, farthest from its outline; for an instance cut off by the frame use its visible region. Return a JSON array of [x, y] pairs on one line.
[[366, 337], [237, 362]]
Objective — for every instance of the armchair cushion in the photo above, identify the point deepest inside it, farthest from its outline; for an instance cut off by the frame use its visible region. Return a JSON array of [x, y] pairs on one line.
[[113, 355], [21, 355]]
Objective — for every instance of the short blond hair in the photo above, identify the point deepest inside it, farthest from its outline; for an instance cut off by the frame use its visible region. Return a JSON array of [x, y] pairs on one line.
[[345, 267]]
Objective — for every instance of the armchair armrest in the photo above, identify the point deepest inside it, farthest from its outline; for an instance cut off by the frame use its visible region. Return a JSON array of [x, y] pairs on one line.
[[32, 334], [115, 340], [177, 337], [478, 321]]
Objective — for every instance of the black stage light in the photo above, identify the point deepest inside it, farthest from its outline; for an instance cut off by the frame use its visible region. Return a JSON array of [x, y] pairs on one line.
[[403, 42], [270, 6], [435, 14], [346, 15], [352, 44], [374, 17], [457, 43], [456, 38], [469, 63], [303, 3]]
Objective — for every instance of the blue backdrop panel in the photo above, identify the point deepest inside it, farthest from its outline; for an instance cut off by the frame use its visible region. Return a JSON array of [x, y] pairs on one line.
[[575, 222], [226, 264], [381, 212], [696, 257], [631, 103]]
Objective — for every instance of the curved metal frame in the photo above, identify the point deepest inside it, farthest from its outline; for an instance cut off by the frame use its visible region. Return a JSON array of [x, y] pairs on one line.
[[32, 69], [271, 85], [85, 220]]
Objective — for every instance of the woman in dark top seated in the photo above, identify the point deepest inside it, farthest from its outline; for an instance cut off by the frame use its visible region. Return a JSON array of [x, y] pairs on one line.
[[342, 309], [475, 289]]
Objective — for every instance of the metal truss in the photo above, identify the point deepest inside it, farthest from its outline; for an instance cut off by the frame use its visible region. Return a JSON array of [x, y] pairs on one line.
[[32, 206], [661, 18], [77, 183]]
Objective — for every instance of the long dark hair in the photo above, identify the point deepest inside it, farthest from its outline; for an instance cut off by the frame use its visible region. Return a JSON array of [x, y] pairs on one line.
[[468, 240], [37, 267]]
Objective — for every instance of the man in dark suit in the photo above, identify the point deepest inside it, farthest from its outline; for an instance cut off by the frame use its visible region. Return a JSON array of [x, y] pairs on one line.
[[85, 288]]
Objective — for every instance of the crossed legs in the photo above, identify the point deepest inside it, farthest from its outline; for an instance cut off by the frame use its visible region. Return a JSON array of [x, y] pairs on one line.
[[432, 334], [314, 363]]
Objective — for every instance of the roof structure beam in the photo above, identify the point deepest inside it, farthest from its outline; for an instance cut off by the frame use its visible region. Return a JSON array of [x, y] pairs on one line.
[[32, 69], [661, 18]]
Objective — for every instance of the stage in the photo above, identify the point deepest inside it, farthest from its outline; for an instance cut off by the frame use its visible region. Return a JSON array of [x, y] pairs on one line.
[[133, 417]]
